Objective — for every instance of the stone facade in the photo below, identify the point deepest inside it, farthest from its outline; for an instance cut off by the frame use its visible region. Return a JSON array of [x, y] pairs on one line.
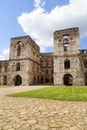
[[27, 66], [46, 62], [68, 60], [24, 65]]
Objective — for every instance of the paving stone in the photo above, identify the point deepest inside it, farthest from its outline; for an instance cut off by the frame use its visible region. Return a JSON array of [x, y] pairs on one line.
[[42, 114]]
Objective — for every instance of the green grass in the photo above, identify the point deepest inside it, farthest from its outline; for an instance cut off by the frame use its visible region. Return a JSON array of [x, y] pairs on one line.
[[67, 93]]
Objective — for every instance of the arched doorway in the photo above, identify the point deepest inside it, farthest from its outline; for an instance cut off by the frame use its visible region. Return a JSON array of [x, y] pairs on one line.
[[18, 80], [68, 79]]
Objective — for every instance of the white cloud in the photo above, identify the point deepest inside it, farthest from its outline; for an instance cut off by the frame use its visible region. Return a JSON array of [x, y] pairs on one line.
[[2, 57], [40, 24], [39, 3], [5, 54]]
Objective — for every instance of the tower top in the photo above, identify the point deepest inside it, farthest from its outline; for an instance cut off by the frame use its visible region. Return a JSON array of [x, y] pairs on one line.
[[69, 32], [68, 29]]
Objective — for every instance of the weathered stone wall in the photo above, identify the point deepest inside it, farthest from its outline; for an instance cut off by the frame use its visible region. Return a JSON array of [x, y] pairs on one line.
[[27, 66], [66, 57], [46, 61], [28, 58], [4, 72]]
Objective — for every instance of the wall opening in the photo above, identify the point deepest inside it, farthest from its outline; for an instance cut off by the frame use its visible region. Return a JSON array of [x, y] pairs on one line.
[[4, 80], [18, 67], [42, 79], [19, 48], [67, 64], [85, 63], [68, 79], [46, 80], [18, 80], [66, 47]]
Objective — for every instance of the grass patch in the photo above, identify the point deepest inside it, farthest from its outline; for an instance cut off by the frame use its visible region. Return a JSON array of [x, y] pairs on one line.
[[67, 93]]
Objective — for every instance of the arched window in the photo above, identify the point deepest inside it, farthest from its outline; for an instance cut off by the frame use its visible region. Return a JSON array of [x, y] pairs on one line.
[[19, 48], [67, 64], [66, 36], [66, 42], [66, 47], [18, 67]]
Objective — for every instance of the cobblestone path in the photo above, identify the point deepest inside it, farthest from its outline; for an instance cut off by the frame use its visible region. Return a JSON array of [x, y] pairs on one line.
[[42, 114]]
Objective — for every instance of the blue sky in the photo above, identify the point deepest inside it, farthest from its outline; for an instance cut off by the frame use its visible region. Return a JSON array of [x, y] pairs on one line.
[[39, 19]]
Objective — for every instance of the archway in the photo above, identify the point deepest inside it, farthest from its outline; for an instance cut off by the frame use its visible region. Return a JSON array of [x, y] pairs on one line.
[[68, 79], [18, 80]]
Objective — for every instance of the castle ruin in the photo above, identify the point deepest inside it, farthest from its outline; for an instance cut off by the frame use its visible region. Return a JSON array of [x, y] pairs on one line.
[[67, 65]]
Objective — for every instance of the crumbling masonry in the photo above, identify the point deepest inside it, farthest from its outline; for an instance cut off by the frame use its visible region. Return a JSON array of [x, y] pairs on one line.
[[27, 66]]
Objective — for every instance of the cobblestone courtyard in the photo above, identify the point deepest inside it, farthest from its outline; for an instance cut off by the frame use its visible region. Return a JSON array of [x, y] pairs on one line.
[[41, 114]]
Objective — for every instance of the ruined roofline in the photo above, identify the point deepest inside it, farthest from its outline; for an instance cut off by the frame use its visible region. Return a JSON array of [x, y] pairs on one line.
[[47, 53], [67, 29], [24, 37], [2, 61], [19, 37]]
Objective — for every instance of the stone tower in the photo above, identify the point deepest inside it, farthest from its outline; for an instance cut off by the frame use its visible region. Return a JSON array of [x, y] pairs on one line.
[[24, 61], [67, 67]]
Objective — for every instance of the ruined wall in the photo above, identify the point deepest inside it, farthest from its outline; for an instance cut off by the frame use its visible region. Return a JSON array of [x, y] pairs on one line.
[[25, 52], [67, 67], [4, 72], [27, 66], [46, 61]]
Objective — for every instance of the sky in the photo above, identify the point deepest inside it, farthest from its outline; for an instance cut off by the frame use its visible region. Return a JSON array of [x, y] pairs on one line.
[[39, 19]]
